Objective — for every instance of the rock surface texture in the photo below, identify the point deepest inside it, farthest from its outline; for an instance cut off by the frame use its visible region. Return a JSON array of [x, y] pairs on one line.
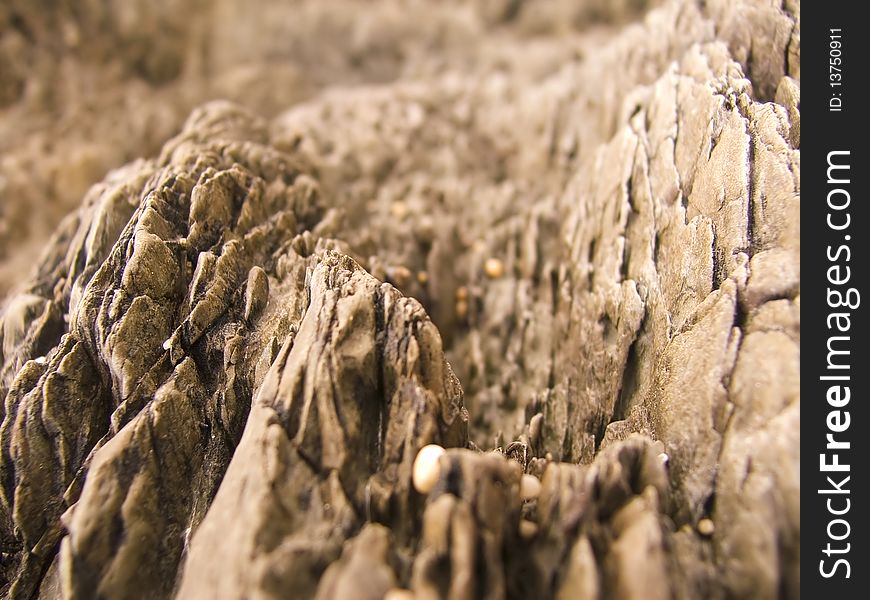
[[559, 239]]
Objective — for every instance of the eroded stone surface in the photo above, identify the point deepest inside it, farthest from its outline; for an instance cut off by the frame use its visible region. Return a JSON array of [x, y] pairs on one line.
[[218, 378]]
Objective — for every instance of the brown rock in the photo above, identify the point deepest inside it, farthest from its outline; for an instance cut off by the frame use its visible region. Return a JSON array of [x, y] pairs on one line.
[[211, 387]]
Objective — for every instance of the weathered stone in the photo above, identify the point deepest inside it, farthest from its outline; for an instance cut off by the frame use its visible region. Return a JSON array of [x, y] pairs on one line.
[[217, 379]]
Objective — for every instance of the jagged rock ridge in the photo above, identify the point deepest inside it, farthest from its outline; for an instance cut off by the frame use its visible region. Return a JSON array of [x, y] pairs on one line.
[[210, 393]]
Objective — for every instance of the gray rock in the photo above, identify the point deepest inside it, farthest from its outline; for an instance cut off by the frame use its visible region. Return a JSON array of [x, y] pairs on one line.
[[218, 376]]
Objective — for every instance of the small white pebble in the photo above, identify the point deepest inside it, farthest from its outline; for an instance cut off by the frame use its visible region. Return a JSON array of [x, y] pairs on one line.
[[415, 115], [399, 210], [426, 470], [461, 309], [493, 268], [40, 360], [706, 527], [664, 458], [400, 275], [528, 529], [530, 487], [399, 594], [167, 344]]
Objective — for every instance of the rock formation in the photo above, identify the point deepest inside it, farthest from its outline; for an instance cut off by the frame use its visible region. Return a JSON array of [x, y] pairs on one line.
[[556, 249]]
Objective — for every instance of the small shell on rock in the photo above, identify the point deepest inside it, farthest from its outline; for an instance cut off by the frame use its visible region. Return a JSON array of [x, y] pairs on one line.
[[706, 527], [399, 594], [461, 309], [493, 268], [399, 210], [399, 275], [426, 469], [528, 529], [530, 487]]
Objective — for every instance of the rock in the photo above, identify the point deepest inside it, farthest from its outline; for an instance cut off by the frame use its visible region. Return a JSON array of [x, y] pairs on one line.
[[363, 571], [336, 426], [558, 251]]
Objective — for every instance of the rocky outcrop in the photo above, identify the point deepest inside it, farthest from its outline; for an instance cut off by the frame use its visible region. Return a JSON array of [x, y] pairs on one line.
[[582, 268]]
